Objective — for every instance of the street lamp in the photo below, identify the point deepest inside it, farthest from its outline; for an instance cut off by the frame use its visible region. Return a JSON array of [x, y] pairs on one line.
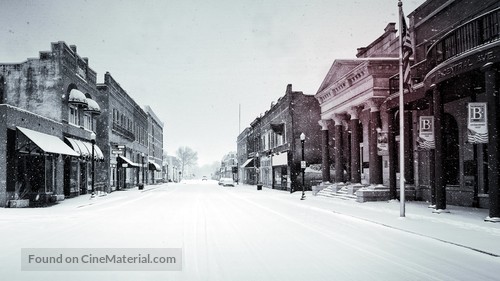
[[303, 165], [257, 169], [92, 172], [142, 155]]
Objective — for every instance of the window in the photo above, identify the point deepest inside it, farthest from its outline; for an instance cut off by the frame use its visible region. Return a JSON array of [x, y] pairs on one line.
[[50, 174], [87, 122], [73, 115], [1, 90]]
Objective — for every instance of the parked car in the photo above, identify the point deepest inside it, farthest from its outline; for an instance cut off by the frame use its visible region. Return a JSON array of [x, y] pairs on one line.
[[226, 182], [204, 178]]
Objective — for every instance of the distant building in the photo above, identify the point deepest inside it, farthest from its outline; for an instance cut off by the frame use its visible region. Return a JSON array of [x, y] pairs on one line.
[[156, 173], [228, 167], [172, 168], [246, 169]]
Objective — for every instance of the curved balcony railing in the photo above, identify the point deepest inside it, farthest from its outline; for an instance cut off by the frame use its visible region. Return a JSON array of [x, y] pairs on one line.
[[123, 132], [468, 36]]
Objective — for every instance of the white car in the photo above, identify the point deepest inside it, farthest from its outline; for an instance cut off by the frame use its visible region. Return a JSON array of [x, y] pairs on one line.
[[226, 182]]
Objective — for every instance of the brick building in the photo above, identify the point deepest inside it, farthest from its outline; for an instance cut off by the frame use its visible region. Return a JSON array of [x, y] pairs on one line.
[[49, 111], [273, 143], [55, 117], [456, 75], [156, 172], [124, 128]]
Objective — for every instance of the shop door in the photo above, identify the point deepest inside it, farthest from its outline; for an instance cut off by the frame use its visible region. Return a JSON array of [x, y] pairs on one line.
[[284, 177]]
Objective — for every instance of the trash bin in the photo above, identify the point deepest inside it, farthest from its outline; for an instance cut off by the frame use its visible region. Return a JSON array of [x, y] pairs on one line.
[[259, 186], [141, 186]]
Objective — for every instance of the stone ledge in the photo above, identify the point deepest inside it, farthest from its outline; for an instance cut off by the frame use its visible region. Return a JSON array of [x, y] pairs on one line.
[[370, 195], [21, 203], [352, 189]]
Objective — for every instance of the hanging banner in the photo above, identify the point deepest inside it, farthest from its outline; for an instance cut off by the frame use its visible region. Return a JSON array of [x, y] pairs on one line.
[[382, 143], [426, 138], [477, 123]]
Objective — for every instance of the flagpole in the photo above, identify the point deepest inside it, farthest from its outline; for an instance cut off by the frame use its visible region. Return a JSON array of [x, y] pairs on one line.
[[401, 117]]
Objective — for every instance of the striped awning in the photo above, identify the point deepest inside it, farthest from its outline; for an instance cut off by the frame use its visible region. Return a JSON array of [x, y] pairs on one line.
[[84, 149]]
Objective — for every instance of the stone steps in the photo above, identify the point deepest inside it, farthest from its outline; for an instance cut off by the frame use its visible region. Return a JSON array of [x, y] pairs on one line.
[[343, 194], [357, 192]]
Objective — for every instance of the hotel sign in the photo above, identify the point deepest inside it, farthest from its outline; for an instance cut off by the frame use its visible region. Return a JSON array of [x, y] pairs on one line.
[[477, 122], [426, 139], [476, 59]]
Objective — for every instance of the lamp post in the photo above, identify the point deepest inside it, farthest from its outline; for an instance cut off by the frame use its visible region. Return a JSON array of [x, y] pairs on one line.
[[92, 140], [142, 155], [303, 166], [257, 172], [257, 169]]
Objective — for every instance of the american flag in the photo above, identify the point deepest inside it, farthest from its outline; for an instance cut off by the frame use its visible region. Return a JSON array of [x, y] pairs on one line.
[[407, 50]]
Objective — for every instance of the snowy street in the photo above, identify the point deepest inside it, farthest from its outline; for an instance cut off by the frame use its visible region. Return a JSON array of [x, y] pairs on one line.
[[239, 233]]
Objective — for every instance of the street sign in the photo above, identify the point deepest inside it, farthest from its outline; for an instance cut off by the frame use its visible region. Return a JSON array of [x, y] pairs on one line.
[[124, 165], [302, 164], [120, 146], [117, 151]]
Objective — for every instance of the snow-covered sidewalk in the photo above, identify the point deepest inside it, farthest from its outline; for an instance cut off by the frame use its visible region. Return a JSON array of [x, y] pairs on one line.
[[462, 226]]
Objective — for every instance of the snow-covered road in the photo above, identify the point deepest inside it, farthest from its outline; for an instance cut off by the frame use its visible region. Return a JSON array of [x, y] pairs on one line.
[[233, 233]]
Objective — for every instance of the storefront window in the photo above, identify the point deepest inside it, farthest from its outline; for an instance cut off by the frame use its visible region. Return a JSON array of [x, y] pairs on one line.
[[74, 177], [50, 173], [31, 175]]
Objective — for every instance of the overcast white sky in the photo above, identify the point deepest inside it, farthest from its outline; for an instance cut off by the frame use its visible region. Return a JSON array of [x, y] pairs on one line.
[[195, 61]]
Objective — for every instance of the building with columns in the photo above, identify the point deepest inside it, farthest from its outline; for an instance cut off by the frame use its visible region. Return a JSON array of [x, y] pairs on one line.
[[450, 132], [352, 98]]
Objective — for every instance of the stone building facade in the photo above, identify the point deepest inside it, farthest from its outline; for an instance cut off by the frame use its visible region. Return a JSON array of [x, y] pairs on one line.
[[352, 98]]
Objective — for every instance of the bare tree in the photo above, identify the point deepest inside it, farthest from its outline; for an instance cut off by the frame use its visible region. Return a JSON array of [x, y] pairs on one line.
[[187, 157]]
